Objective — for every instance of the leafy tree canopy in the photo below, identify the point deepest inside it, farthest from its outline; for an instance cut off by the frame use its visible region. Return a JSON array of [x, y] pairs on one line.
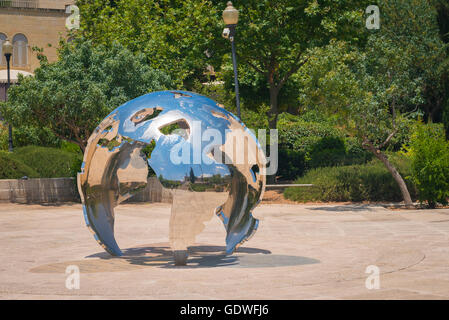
[[377, 88], [272, 35], [174, 35], [71, 96]]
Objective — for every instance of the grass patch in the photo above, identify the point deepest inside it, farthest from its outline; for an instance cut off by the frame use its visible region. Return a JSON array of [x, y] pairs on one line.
[[49, 162], [12, 168]]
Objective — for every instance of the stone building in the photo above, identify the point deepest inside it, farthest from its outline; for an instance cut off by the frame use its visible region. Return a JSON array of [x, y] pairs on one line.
[[28, 24]]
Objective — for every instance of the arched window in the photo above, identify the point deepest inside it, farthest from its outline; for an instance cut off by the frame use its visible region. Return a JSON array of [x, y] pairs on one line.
[[20, 51], [2, 57]]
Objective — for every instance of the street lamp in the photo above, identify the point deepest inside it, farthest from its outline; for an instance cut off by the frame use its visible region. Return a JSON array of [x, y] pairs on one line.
[[230, 18], [7, 50]]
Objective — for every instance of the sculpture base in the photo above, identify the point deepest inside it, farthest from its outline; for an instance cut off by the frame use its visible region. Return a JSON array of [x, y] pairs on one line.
[[180, 257]]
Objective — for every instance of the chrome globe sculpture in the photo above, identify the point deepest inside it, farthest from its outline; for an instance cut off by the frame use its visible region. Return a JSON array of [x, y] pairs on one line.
[[202, 153]]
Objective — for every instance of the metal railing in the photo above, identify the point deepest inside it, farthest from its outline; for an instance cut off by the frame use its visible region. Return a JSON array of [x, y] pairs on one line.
[[19, 3]]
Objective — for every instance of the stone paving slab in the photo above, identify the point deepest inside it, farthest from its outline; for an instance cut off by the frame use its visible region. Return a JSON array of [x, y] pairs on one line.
[[299, 252]]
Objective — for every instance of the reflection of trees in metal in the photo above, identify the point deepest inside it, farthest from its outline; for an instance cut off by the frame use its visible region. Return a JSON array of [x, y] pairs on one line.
[[136, 141]]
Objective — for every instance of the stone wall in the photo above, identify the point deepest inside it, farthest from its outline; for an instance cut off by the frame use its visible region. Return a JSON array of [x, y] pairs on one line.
[[57, 190], [44, 190]]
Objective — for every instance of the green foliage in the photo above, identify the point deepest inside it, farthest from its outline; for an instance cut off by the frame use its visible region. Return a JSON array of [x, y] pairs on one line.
[[147, 150], [271, 41], [70, 147], [71, 96], [368, 182], [377, 89], [291, 164], [355, 153], [313, 141], [274, 39], [256, 119], [414, 26], [334, 151], [173, 35], [429, 155], [297, 139], [277, 35], [12, 168], [28, 135], [300, 135], [49, 162], [328, 151], [442, 101], [355, 87], [216, 92]]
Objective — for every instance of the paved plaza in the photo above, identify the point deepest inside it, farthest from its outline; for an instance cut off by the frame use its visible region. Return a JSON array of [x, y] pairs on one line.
[[307, 251]]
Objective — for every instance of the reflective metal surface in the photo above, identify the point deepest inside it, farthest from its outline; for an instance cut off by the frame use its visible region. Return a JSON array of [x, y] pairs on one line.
[[205, 155]]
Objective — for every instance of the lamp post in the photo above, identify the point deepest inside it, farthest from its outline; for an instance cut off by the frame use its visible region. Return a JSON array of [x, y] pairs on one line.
[[7, 50], [230, 18]]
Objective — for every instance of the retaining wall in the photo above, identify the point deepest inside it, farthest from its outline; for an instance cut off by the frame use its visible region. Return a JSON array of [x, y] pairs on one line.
[[56, 190]]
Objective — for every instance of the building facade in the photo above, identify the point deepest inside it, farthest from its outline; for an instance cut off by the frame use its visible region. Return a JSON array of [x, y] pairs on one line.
[[28, 24]]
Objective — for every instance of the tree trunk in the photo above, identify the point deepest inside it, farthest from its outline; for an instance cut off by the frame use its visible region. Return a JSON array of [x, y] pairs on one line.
[[396, 175], [273, 113]]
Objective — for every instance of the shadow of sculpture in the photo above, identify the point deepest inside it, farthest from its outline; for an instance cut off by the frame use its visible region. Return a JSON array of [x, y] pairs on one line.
[[160, 255], [346, 207], [206, 256]]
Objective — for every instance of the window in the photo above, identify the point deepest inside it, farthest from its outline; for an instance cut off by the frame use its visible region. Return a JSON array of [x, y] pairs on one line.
[[20, 51], [2, 57]]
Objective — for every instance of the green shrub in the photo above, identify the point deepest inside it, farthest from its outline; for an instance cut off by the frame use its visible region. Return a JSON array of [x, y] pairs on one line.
[[28, 135], [70, 147], [368, 182], [429, 155], [355, 154], [11, 168], [291, 164], [49, 162], [327, 152], [299, 135], [319, 141]]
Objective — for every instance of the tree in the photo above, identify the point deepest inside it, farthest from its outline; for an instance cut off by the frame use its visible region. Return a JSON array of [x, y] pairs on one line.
[[377, 89], [71, 96], [413, 25], [273, 37], [369, 93], [174, 35], [442, 7]]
